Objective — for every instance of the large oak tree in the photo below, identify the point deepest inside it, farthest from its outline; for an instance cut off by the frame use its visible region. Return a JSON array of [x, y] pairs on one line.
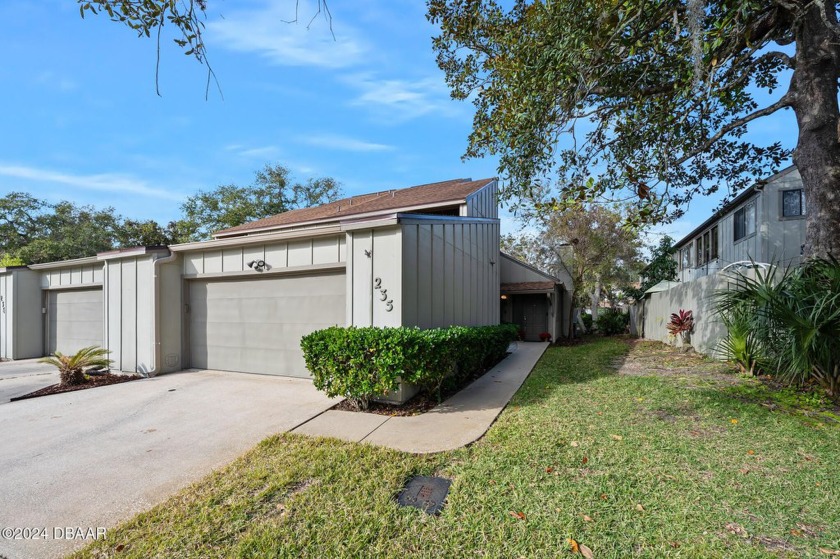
[[649, 98]]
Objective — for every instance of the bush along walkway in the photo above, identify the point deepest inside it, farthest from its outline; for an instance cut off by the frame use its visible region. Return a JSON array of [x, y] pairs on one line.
[[457, 422], [645, 464]]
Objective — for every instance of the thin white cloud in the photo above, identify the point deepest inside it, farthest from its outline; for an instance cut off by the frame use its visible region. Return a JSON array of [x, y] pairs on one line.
[[400, 99], [344, 143], [103, 182], [260, 152], [268, 32], [53, 80]]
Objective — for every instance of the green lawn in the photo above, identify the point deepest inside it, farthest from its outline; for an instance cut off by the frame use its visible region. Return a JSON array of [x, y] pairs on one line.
[[672, 458]]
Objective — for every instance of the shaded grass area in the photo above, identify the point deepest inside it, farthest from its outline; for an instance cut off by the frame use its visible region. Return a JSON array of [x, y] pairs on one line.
[[631, 465]]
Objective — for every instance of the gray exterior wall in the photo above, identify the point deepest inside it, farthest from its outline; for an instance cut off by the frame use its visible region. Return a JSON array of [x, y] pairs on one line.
[[72, 275], [483, 203], [777, 239], [21, 323], [171, 316], [373, 272], [786, 235], [129, 313], [293, 253], [450, 272]]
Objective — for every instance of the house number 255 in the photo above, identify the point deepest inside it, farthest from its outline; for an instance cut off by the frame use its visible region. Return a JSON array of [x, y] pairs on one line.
[[383, 294]]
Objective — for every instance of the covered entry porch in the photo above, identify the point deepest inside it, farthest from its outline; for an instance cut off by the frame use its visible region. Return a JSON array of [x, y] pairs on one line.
[[535, 307]]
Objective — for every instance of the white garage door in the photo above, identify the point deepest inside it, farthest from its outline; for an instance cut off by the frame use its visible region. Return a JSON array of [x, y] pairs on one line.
[[74, 320], [255, 325]]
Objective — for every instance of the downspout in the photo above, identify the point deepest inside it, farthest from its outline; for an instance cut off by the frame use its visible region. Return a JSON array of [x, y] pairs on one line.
[[156, 343]]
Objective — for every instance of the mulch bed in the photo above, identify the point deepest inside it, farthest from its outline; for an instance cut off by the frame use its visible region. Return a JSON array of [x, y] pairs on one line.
[[419, 404], [93, 382]]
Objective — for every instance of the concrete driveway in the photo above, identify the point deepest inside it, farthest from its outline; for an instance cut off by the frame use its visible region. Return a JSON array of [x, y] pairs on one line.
[[22, 377], [93, 458]]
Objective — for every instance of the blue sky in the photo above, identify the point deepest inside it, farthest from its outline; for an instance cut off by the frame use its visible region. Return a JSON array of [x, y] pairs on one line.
[[82, 121]]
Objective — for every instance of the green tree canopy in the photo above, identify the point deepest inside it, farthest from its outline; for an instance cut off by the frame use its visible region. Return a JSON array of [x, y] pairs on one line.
[[272, 192], [34, 231], [648, 99], [661, 267]]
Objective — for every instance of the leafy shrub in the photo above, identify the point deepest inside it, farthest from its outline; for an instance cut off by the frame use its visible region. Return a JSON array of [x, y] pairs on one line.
[[363, 363], [681, 324], [741, 345], [587, 320], [795, 319], [71, 368], [612, 322]]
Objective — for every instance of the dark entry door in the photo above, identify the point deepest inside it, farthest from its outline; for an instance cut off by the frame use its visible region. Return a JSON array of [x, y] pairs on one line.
[[530, 313]]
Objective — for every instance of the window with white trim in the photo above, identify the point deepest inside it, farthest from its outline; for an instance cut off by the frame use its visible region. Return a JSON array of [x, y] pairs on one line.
[[793, 203], [744, 221]]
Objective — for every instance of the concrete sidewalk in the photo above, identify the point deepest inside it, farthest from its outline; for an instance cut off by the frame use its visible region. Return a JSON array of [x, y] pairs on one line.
[[458, 421]]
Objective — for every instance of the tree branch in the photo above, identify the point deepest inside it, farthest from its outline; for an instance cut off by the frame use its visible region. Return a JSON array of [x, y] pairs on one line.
[[830, 23], [784, 102]]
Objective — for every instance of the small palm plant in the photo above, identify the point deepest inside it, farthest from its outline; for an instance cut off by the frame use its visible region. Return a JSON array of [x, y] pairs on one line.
[[741, 344], [71, 368], [794, 317]]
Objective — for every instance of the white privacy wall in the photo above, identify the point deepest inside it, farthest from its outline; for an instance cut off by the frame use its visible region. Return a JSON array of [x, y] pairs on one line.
[[696, 296], [450, 272]]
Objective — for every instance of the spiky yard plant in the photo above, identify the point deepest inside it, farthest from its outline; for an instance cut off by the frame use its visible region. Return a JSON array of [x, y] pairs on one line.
[[72, 368], [795, 316], [741, 345]]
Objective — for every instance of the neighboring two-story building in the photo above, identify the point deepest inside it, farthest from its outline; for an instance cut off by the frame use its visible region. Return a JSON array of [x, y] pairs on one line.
[[765, 223]]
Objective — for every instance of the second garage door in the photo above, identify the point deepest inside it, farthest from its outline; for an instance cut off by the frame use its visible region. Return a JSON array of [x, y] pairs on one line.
[[255, 325], [74, 320]]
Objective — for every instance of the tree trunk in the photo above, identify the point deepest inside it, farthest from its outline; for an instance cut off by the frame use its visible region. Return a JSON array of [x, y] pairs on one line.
[[571, 333], [596, 299], [817, 154]]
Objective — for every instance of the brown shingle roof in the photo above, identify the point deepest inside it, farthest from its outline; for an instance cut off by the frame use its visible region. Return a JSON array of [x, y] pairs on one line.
[[422, 195], [528, 286]]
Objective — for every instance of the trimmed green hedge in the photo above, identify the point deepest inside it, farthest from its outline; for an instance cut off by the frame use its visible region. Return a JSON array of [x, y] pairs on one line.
[[363, 363]]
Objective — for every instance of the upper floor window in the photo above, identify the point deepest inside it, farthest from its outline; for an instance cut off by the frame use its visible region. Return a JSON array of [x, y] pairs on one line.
[[715, 251], [686, 258], [698, 251], [705, 247], [745, 221], [793, 203]]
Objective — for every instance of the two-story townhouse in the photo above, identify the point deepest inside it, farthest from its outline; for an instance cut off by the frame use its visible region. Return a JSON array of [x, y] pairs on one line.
[[765, 223]]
